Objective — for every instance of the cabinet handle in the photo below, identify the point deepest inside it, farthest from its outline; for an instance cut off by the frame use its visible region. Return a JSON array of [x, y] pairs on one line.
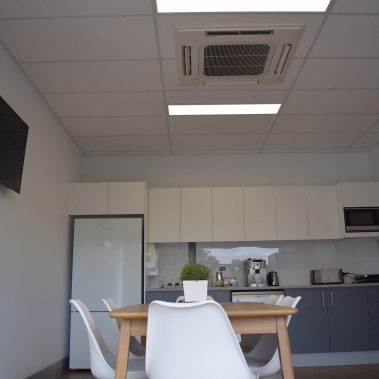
[[323, 299], [331, 298]]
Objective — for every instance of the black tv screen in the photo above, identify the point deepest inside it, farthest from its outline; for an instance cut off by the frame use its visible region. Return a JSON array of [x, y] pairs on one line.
[[13, 136]]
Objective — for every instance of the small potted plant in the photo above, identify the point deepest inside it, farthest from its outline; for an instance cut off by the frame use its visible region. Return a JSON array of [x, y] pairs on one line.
[[195, 281]]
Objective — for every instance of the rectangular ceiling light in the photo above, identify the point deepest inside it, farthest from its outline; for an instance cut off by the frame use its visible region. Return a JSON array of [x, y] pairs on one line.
[[222, 109], [214, 6]]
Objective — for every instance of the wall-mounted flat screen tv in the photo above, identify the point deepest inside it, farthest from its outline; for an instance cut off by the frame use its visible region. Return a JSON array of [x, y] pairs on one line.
[[13, 136]]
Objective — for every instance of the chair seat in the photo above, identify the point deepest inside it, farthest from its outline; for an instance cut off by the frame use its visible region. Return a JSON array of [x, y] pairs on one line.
[[255, 364]]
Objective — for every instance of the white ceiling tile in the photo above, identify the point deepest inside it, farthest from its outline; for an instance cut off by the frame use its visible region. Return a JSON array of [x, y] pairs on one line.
[[336, 101], [240, 124], [115, 126], [107, 104], [59, 8], [339, 74], [99, 76], [167, 24], [123, 143], [125, 153], [355, 123], [170, 75], [356, 6], [209, 151], [310, 140], [226, 97], [217, 142], [67, 39], [348, 36], [368, 140]]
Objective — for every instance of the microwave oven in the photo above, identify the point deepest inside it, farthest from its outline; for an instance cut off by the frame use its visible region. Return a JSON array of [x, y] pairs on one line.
[[361, 219]]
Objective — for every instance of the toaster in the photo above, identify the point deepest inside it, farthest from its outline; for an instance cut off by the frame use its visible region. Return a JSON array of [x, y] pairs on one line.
[[329, 276]]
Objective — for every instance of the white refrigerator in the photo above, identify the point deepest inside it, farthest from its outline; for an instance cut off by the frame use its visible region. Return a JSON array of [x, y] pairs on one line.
[[107, 262]]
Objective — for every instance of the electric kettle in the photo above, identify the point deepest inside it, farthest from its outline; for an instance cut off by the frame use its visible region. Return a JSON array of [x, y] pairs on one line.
[[272, 278]]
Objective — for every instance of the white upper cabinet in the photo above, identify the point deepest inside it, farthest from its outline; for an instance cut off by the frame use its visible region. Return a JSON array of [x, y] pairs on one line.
[[322, 212], [89, 199], [260, 213], [196, 215], [228, 214], [108, 198], [164, 215], [360, 194], [291, 213], [127, 198]]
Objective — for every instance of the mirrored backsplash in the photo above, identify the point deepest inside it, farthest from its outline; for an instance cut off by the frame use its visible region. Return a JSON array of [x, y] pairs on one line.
[[293, 260]]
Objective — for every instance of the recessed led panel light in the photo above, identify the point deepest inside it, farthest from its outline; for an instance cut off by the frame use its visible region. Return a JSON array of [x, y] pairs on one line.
[[211, 6], [219, 109]]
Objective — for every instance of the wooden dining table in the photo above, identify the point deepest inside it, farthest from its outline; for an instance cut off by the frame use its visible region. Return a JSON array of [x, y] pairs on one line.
[[246, 318]]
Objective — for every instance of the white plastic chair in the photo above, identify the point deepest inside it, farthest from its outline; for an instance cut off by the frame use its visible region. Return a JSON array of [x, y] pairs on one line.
[[102, 360], [181, 299], [192, 340], [135, 347], [264, 357], [248, 341]]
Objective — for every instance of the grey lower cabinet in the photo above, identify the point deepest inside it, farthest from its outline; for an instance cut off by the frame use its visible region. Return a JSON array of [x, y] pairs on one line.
[[330, 320], [218, 295]]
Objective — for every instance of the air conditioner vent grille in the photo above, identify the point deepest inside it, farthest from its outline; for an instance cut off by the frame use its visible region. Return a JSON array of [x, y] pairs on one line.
[[235, 55], [235, 60]]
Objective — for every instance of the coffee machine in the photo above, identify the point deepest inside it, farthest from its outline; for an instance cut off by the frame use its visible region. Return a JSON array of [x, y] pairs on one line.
[[256, 270]]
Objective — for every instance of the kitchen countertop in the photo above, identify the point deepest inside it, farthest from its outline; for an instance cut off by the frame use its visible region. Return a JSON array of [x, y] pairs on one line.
[[273, 288]]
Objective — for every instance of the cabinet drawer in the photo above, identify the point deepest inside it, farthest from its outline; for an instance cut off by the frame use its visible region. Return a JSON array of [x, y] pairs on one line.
[[162, 295], [373, 294]]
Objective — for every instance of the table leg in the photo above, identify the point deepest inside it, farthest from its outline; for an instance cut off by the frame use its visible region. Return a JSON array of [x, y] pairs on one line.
[[123, 350], [284, 348]]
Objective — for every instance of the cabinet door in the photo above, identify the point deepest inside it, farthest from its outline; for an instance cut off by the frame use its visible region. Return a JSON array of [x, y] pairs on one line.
[[126, 198], [291, 213], [348, 319], [260, 213], [309, 329], [360, 194], [196, 214], [89, 199], [322, 212], [228, 214], [164, 215]]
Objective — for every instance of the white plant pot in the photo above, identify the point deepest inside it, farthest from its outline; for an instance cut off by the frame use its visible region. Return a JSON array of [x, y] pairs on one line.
[[195, 290]]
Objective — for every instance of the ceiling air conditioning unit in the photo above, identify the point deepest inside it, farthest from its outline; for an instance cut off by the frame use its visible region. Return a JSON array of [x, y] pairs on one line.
[[235, 54]]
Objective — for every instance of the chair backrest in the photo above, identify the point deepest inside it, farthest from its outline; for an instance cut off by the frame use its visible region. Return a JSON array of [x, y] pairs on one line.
[[111, 305], [274, 299], [267, 346], [192, 340], [102, 360], [181, 299], [136, 349]]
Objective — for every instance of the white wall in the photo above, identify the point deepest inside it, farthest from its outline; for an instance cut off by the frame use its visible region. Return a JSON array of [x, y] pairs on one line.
[[230, 170], [374, 163], [34, 242]]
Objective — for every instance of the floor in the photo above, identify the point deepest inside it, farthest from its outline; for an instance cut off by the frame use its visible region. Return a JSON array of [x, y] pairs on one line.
[[331, 372]]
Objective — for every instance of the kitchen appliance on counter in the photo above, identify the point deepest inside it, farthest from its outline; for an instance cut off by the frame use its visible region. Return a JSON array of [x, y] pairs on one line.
[[371, 278], [328, 276], [272, 278], [256, 272]]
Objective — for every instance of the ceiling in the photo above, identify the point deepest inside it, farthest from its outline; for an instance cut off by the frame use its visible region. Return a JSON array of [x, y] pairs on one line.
[[108, 70]]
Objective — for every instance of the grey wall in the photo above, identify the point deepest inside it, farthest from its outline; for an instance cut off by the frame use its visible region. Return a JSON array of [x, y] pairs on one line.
[[34, 242], [374, 163], [230, 170]]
